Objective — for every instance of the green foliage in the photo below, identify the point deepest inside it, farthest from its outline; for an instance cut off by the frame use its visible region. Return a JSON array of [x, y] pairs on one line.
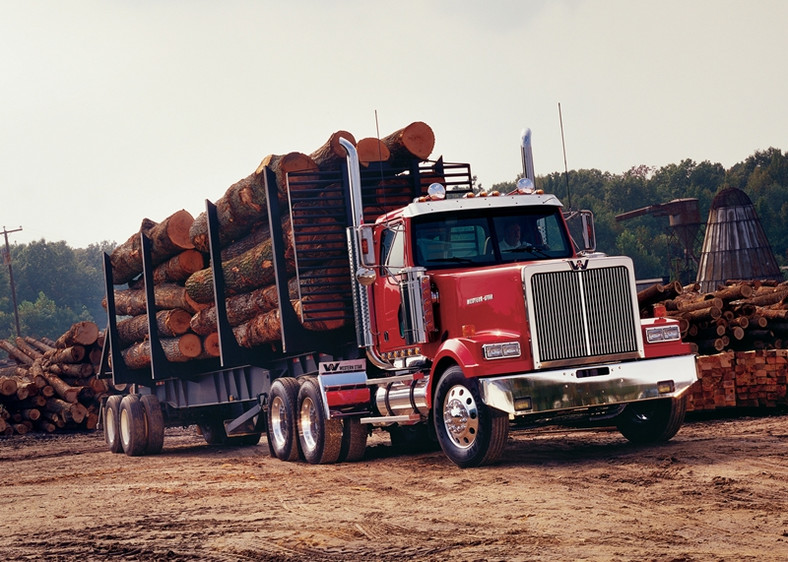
[[55, 287], [648, 239]]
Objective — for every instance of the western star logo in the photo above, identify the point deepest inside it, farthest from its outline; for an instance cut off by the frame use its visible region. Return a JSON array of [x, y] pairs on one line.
[[578, 265], [476, 300]]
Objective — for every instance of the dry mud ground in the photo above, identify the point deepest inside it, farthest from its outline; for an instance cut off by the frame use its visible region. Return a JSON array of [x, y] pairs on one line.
[[717, 491]]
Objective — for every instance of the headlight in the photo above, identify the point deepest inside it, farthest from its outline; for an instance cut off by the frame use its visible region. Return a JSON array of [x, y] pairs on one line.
[[501, 350], [656, 334]]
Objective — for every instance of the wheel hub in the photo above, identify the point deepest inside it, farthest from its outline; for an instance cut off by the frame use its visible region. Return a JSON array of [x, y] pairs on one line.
[[461, 416]]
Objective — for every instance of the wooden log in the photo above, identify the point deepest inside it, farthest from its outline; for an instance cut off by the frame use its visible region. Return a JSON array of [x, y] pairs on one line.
[[31, 414], [263, 328], [249, 271], [414, 141], [8, 386], [63, 390], [169, 237], [75, 370], [131, 302], [67, 411], [240, 308], [169, 323], [39, 345], [281, 165], [708, 313], [241, 207], [178, 267], [331, 156], [15, 353], [734, 292], [371, 150], [72, 354], [210, 345], [80, 333], [698, 305], [179, 349]]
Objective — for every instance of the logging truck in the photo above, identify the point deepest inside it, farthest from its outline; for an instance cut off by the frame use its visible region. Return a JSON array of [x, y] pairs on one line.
[[409, 304]]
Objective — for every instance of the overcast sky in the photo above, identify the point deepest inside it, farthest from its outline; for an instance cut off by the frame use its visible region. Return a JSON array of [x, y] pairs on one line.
[[116, 111]]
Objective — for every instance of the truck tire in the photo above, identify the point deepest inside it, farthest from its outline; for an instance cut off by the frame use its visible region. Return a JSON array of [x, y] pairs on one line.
[[652, 421], [112, 423], [154, 423], [282, 431], [132, 426], [320, 439], [470, 433], [354, 440]]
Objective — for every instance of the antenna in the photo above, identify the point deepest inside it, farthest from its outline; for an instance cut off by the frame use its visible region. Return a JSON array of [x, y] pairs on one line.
[[563, 145]]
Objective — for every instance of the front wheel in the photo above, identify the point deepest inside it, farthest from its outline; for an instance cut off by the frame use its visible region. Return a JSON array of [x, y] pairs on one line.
[[470, 433], [652, 421]]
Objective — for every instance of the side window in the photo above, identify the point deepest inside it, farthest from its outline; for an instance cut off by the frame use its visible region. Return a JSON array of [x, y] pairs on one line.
[[392, 250]]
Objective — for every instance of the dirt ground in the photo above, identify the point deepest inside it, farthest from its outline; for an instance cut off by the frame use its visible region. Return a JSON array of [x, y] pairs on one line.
[[717, 491]]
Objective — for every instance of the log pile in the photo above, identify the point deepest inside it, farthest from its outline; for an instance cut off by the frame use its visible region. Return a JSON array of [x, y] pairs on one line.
[[740, 333], [51, 385], [183, 283]]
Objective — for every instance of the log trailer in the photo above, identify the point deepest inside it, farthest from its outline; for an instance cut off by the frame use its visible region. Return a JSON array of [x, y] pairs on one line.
[[444, 329]]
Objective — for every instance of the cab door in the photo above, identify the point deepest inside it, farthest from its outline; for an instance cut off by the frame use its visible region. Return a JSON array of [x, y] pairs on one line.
[[387, 299]]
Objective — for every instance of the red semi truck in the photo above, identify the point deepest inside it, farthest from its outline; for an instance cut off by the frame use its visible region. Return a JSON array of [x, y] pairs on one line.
[[454, 318]]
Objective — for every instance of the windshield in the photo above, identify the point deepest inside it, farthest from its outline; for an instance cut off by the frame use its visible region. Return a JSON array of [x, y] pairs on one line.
[[517, 234]]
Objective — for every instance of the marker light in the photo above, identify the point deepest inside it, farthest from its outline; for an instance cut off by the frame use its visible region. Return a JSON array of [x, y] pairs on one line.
[[525, 186], [436, 192]]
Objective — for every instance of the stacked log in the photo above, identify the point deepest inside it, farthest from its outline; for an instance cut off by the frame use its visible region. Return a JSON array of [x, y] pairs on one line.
[[738, 316], [52, 385], [740, 333]]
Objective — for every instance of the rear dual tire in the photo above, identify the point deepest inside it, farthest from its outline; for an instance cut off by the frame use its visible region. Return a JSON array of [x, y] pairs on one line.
[[134, 425]]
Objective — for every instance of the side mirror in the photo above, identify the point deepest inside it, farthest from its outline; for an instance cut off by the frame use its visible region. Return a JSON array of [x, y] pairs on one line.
[[589, 234], [366, 245], [581, 229]]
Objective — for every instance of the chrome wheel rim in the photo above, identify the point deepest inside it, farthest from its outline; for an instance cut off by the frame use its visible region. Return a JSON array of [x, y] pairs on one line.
[[279, 421], [308, 425], [461, 416]]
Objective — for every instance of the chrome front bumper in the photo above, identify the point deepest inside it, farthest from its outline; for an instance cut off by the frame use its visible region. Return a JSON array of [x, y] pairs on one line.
[[588, 386]]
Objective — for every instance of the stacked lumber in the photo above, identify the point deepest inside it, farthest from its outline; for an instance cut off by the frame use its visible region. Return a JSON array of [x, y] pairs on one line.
[[738, 316], [51, 385], [186, 288], [740, 379]]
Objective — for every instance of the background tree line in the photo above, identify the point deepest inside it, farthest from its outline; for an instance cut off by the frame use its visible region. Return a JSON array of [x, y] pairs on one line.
[[654, 248], [57, 285]]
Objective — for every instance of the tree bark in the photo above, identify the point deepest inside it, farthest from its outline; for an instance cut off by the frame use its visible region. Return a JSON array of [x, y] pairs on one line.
[[131, 302], [169, 323], [178, 267], [416, 140], [81, 333], [169, 237], [241, 206], [263, 328], [331, 156], [73, 354], [240, 308], [15, 353], [180, 349]]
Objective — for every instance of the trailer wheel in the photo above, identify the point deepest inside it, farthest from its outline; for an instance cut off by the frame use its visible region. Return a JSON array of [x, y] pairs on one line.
[[469, 432], [112, 423], [354, 440], [320, 439], [213, 432], [132, 426], [154, 423], [652, 421], [282, 432]]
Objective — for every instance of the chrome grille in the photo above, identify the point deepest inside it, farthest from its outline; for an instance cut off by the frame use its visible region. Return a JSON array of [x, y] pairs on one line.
[[582, 313]]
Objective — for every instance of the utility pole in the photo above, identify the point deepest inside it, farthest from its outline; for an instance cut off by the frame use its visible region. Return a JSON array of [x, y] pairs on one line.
[[7, 260]]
